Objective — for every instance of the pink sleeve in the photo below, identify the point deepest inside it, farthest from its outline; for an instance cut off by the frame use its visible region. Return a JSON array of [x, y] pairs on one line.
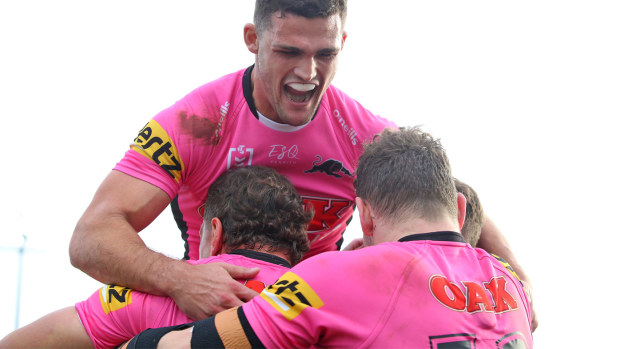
[[163, 150], [309, 304], [115, 314]]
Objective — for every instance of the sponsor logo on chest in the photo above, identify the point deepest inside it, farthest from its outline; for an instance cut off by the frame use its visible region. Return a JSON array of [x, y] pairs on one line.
[[348, 130], [283, 154]]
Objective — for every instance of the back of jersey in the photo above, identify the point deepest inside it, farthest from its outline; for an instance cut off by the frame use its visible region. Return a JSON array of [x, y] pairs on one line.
[[451, 295]]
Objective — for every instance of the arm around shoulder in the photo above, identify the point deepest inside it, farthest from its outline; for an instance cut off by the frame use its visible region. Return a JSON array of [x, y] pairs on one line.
[[493, 241], [105, 243]]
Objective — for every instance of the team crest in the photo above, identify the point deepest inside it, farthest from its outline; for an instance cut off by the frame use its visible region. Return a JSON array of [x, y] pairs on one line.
[[239, 157], [330, 167]]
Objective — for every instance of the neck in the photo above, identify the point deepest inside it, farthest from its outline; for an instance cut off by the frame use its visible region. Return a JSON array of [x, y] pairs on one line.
[[393, 232], [264, 249]]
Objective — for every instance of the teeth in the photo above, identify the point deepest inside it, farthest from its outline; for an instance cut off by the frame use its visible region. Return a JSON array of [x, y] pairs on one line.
[[302, 87]]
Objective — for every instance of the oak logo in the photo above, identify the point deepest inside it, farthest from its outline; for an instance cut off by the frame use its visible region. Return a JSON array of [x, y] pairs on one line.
[[114, 297], [475, 297], [154, 143], [255, 285], [290, 295]]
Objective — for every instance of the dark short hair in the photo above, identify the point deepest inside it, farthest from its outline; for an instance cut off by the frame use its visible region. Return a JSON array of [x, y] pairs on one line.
[[259, 208], [404, 172], [263, 10], [474, 215]]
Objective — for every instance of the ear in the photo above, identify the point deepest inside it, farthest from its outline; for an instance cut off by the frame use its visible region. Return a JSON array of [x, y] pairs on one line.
[[461, 202], [216, 236], [344, 38], [250, 37], [365, 214]]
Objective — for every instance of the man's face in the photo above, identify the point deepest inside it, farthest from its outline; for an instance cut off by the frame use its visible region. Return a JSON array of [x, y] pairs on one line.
[[296, 61]]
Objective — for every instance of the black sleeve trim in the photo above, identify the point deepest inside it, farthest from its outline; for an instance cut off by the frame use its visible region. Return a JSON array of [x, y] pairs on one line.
[[249, 332], [149, 338], [205, 334]]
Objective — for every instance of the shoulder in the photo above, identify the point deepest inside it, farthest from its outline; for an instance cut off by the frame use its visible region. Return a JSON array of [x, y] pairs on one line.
[[504, 264], [353, 115], [348, 266], [207, 102]]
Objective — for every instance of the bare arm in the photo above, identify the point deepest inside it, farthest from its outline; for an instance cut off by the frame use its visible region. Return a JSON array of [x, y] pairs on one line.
[[60, 329], [493, 241], [106, 246]]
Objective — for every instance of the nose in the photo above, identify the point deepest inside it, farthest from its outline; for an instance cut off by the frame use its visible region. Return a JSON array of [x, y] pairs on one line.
[[306, 69]]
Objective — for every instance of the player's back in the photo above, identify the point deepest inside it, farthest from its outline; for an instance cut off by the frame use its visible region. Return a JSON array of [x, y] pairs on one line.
[[451, 295], [427, 289]]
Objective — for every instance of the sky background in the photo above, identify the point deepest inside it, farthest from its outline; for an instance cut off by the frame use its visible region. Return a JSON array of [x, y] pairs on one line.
[[524, 95]]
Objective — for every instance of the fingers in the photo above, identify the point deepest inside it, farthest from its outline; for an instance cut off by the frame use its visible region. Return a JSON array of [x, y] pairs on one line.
[[246, 293], [237, 272], [354, 244]]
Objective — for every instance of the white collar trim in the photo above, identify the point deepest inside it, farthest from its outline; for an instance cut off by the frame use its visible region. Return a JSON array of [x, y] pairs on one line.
[[278, 126]]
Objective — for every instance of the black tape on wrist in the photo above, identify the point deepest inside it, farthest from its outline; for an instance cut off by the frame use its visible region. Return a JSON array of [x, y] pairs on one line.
[[150, 338], [204, 334]]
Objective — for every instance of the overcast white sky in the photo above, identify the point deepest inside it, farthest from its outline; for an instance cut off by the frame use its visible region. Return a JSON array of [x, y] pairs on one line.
[[524, 95]]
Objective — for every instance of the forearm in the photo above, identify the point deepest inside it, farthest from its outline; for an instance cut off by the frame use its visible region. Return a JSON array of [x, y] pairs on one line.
[[60, 329], [106, 244], [111, 251], [493, 241]]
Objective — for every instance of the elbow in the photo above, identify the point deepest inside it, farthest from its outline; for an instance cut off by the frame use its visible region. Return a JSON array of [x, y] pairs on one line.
[[78, 249]]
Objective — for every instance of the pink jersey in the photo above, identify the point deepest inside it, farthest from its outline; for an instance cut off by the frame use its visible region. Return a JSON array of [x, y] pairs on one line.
[[183, 149], [114, 314], [438, 292]]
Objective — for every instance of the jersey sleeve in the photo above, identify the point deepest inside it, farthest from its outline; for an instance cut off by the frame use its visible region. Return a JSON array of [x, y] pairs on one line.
[[164, 151], [114, 314], [317, 303]]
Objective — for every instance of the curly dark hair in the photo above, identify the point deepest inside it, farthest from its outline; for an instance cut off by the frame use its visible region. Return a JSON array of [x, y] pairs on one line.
[[259, 208], [263, 10], [474, 216]]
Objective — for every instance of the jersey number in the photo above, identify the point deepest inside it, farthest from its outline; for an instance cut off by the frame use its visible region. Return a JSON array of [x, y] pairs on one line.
[[514, 340]]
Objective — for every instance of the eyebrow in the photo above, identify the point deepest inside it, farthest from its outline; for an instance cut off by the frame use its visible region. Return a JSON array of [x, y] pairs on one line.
[[330, 50]]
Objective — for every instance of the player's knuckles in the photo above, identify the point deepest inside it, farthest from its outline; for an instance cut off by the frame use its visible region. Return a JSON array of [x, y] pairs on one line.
[[227, 300]]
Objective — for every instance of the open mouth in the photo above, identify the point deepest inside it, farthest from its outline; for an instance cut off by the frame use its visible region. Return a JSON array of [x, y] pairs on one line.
[[298, 92]]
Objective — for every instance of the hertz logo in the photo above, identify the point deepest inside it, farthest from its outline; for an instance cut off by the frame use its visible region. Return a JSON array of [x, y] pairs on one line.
[[290, 295], [114, 298], [154, 143]]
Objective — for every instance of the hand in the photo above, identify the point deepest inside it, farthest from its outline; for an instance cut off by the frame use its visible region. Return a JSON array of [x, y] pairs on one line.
[[355, 244], [203, 290], [528, 290]]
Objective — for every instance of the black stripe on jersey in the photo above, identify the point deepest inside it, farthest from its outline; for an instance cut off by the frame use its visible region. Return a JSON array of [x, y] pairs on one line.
[[204, 334], [181, 224], [249, 332], [434, 236], [150, 337], [262, 256], [247, 89], [339, 242]]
